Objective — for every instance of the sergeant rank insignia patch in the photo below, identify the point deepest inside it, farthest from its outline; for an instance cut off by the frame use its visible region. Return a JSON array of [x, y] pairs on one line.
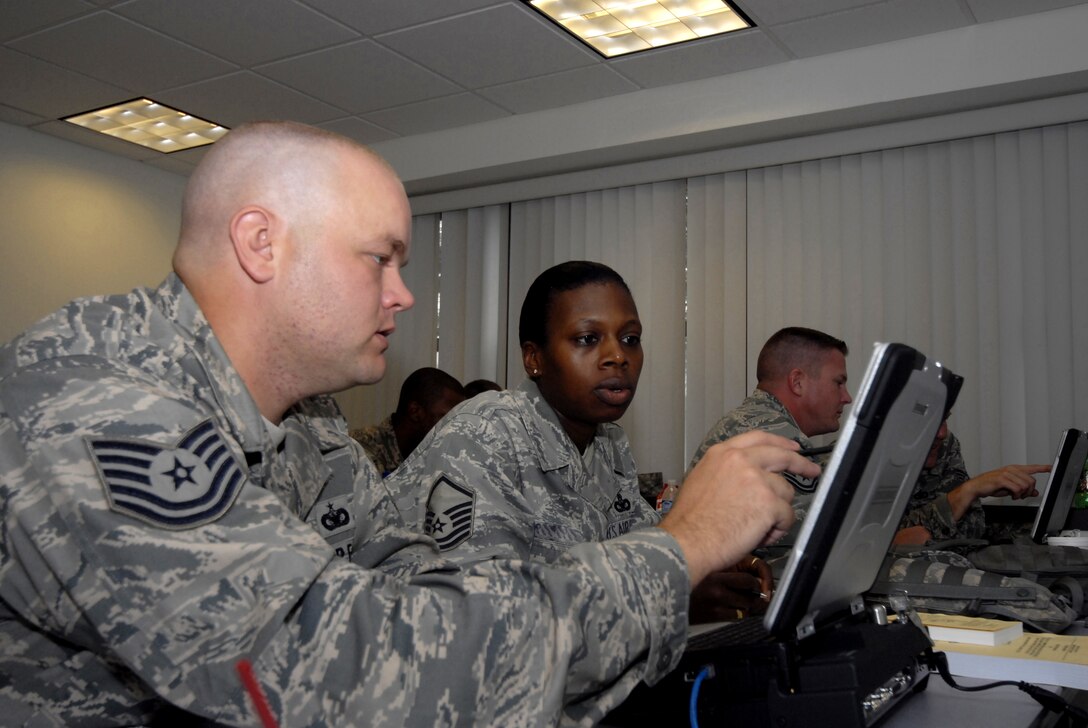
[[184, 486], [801, 483], [451, 509]]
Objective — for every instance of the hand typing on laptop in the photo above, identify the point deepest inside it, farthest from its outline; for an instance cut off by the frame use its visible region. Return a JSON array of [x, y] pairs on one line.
[[742, 590], [735, 500]]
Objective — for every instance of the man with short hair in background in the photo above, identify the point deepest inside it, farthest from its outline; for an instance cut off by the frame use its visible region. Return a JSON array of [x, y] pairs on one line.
[[800, 393], [425, 397]]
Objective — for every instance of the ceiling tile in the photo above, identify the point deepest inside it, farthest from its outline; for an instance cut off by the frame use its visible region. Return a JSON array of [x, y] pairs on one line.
[[360, 77], [246, 32], [89, 138], [43, 89], [105, 46], [18, 18], [359, 130], [435, 114], [503, 44], [181, 162], [379, 16], [774, 12], [19, 117], [426, 67], [245, 96], [701, 59], [881, 23], [987, 10], [559, 89]]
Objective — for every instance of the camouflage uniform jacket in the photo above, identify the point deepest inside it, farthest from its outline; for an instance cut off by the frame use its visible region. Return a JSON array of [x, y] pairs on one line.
[[153, 532], [380, 443], [929, 505], [501, 477], [762, 411]]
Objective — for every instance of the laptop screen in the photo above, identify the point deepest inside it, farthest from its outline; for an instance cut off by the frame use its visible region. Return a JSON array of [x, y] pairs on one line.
[[1060, 487], [863, 491]]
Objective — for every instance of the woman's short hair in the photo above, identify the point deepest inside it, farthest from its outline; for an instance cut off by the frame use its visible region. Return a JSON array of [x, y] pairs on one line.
[[568, 276]]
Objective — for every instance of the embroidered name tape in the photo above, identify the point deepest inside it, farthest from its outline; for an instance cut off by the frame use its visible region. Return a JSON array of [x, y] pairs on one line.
[[184, 486]]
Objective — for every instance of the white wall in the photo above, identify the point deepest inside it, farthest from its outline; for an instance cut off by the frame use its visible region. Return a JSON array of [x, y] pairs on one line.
[[75, 221]]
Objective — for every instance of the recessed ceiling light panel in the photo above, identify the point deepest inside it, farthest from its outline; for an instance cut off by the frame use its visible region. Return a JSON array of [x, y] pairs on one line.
[[615, 27], [152, 125]]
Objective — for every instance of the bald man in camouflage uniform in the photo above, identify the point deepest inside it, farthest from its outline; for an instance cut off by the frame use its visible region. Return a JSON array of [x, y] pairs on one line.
[[532, 496], [175, 492]]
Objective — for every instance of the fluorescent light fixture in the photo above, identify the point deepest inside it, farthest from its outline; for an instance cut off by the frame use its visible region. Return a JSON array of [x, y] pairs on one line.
[[615, 27], [152, 125]]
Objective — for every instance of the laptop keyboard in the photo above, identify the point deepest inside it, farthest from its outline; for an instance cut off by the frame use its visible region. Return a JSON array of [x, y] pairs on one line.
[[747, 631]]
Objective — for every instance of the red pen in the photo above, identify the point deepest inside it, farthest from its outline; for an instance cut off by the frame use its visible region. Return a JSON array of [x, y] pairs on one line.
[[249, 681]]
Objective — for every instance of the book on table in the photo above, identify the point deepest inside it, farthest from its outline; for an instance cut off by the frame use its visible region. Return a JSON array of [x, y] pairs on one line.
[[970, 630], [1046, 659]]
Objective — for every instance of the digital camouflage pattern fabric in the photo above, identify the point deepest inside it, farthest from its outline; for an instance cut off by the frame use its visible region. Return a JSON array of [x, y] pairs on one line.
[[947, 582], [156, 529], [928, 505], [762, 411], [380, 443], [500, 477]]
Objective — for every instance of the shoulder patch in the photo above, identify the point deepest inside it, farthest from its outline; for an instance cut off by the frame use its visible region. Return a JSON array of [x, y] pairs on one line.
[[801, 484], [451, 511], [188, 485]]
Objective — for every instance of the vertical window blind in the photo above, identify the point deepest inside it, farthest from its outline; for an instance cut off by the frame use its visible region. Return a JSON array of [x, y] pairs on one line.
[[972, 250]]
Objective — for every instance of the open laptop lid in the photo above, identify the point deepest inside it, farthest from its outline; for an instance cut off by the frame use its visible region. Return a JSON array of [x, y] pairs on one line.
[[863, 491], [1060, 487]]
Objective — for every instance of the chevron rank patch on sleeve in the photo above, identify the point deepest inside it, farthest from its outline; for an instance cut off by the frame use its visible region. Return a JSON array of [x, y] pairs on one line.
[[188, 485], [801, 483], [451, 511]]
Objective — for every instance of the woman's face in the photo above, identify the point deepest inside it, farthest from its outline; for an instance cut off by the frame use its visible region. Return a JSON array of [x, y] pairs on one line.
[[589, 368]]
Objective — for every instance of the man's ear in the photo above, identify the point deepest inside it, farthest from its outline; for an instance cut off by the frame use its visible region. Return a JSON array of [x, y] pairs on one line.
[[251, 233], [796, 382]]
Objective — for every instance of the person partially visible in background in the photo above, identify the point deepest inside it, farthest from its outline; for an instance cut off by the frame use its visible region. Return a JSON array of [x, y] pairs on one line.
[[425, 397], [481, 385]]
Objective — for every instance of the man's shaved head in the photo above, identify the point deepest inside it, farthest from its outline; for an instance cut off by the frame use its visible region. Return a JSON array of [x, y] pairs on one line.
[[282, 165], [292, 239]]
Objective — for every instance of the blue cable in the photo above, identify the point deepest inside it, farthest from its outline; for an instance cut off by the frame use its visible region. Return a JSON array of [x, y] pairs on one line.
[[693, 713]]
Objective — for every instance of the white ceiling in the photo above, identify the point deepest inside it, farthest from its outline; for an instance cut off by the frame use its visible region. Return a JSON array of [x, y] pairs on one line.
[[385, 70]]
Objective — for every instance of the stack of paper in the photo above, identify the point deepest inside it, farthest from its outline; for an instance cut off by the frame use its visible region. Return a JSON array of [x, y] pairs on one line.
[[970, 630], [1047, 659]]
